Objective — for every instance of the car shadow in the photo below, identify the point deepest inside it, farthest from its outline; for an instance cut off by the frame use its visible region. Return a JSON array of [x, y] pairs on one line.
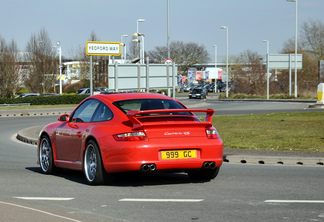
[[151, 179], [135, 179], [71, 175]]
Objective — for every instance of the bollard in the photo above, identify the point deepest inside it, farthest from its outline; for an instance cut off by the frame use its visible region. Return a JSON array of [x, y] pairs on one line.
[[320, 97], [320, 94]]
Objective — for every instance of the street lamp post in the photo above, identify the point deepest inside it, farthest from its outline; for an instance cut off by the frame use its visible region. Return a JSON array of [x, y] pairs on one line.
[[215, 88], [295, 46], [168, 31], [267, 41], [58, 46], [227, 74], [142, 59], [123, 57], [137, 32]]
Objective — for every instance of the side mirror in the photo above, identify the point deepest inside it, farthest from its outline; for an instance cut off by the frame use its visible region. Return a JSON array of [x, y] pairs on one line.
[[64, 118]]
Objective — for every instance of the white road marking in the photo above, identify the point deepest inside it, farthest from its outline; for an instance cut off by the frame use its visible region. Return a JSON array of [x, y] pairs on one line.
[[45, 198], [40, 211], [295, 201], [160, 200]]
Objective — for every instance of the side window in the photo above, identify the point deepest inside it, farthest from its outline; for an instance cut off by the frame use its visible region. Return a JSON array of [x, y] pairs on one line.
[[103, 113], [85, 112]]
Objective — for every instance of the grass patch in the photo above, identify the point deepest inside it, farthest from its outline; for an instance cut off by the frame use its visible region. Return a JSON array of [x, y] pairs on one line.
[[275, 131], [273, 96]]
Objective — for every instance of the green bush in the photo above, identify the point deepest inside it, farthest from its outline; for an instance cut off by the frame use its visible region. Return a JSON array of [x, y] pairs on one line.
[[45, 100]]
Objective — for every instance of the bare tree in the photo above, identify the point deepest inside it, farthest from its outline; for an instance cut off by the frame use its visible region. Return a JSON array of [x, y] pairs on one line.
[[43, 65], [312, 37], [81, 56], [311, 46], [133, 49], [248, 74], [9, 72], [99, 64], [183, 54]]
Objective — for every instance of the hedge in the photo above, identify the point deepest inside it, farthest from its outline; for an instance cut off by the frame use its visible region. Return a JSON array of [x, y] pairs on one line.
[[45, 100]]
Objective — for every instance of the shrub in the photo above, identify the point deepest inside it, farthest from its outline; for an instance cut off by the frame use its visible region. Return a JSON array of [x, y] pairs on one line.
[[45, 100]]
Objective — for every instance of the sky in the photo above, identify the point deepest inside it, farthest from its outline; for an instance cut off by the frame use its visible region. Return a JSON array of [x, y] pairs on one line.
[[71, 22]]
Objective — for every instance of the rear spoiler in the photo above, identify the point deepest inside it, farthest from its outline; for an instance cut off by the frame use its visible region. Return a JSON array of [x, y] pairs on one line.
[[135, 116]]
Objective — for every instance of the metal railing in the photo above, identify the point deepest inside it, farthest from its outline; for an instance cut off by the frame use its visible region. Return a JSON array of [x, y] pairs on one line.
[[15, 104]]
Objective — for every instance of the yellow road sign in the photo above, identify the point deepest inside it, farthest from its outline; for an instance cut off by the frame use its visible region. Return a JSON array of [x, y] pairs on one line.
[[103, 48]]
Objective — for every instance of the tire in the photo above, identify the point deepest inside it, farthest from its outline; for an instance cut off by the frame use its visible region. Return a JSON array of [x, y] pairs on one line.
[[203, 174], [46, 159], [93, 168]]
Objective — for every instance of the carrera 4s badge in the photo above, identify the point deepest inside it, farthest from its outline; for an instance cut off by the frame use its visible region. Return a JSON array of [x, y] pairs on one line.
[[176, 133]]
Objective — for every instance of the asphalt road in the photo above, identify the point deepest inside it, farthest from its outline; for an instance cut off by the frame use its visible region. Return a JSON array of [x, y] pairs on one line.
[[241, 192]]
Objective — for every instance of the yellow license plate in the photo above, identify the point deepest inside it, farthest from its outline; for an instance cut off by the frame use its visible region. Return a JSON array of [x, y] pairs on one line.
[[178, 154]]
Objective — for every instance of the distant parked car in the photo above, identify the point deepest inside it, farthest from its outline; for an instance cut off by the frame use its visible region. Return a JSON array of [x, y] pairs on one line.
[[97, 90], [84, 91], [28, 95], [186, 88], [199, 93], [103, 90], [50, 94], [211, 88]]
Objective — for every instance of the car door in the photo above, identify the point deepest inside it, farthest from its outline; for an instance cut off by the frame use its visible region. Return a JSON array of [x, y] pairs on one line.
[[70, 136]]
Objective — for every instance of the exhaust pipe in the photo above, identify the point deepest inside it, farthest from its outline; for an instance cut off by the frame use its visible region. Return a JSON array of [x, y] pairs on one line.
[[206, 165], [148, 167], [212, 165], [209, 165], [152, 167]]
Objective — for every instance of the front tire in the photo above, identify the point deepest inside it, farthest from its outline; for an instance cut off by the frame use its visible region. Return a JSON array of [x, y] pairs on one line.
[[46, 159], [93, 169]]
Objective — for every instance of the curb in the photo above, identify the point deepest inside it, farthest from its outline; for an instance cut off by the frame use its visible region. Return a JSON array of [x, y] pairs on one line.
[[274, 160], [29, 135], [44, 113], [318, 106]]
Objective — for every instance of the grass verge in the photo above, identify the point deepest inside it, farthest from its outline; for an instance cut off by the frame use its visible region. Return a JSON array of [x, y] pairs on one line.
[[276, 131]]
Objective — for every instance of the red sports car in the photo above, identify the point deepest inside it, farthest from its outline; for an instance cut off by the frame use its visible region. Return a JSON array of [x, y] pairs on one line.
[[119, 132]]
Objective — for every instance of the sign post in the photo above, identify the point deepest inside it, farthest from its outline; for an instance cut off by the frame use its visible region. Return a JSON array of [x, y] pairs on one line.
[[286, 61], [103, 49]]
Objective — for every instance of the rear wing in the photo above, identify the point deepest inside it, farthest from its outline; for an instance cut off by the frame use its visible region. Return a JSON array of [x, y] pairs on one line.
[[135, 117]]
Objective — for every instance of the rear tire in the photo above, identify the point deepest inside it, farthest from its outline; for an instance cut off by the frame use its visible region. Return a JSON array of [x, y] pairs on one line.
[[204, 174], [46, 159], [93, 168]]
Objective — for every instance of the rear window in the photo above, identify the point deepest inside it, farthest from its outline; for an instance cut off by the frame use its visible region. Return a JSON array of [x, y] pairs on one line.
[[150, 104], [197, 90]]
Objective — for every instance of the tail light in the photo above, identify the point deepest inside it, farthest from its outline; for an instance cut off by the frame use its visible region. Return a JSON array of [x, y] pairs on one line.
[[212, 134], [133, 136]]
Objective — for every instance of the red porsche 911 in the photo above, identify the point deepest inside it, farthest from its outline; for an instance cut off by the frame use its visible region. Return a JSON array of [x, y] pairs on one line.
[[120, 132]]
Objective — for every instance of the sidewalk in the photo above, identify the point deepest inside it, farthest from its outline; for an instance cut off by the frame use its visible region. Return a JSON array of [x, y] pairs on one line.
[[30, 135]]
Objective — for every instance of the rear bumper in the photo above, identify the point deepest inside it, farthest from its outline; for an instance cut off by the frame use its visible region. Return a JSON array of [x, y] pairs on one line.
[[161, 165], [123, 156], [123, 159]]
